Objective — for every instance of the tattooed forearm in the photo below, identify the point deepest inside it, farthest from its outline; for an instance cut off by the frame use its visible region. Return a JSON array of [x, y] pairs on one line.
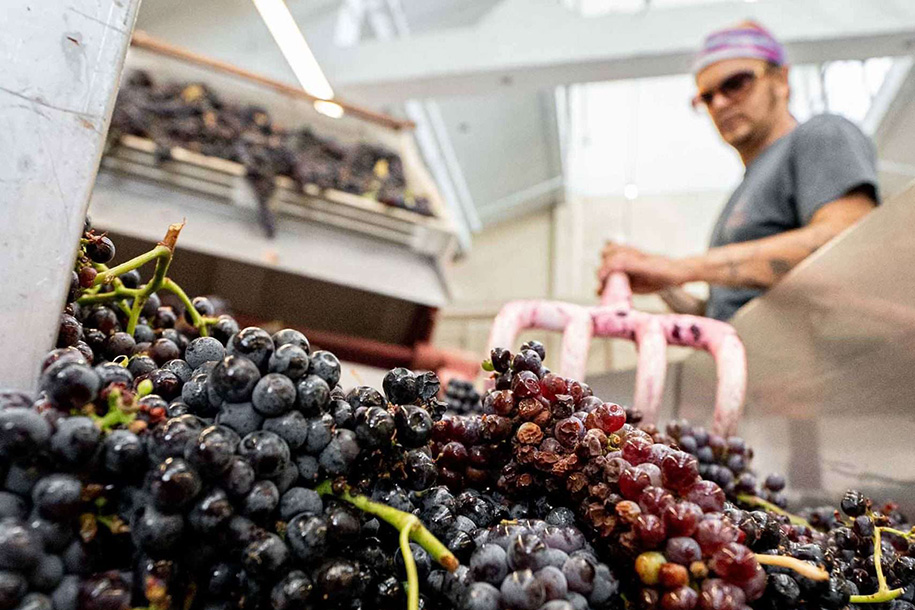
[[763, 262], [779, 267]]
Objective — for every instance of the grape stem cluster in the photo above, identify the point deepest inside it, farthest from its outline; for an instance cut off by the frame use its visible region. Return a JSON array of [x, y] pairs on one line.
[[410, 529], [162, 254], [883, 593]]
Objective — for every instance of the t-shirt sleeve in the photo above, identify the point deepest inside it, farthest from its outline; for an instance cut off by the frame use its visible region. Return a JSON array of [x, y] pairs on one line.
[[832, 158]]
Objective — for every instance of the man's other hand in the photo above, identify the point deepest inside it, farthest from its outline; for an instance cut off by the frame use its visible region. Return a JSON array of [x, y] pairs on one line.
[[647, 272]]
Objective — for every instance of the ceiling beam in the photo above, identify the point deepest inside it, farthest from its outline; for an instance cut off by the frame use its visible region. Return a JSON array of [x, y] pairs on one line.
[[538, 43]]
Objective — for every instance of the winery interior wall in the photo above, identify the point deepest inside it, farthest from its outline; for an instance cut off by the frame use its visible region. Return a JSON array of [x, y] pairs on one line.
[[554, 254]]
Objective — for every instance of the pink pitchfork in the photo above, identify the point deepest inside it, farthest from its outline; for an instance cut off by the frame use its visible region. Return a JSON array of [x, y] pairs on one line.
[[652, 333]]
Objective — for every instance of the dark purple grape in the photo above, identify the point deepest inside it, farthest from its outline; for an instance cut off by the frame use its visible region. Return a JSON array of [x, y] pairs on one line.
[[22, 432], [267, 453], [289, 360], [326, 366], [265, 556], [399, 386], [522, 591], [312, 395], [211, 453], [233, 378], [101, 250], [174, 484], [307, 537], [273, 395], [292, 592]]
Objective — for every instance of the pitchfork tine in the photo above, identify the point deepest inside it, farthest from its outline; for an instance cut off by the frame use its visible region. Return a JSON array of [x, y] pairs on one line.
[[652, 333]]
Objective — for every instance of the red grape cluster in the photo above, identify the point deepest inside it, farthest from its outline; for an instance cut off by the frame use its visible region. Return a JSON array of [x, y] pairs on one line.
[[657, 512]]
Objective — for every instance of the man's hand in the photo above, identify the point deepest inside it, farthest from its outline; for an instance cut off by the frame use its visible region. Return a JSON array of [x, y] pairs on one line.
[[647, 272]]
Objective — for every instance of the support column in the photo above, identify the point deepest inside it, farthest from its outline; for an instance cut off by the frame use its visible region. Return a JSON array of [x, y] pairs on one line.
[[60, 67]]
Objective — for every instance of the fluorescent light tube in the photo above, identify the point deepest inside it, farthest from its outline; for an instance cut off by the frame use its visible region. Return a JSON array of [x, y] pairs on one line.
[[331, 109], [289, 38]]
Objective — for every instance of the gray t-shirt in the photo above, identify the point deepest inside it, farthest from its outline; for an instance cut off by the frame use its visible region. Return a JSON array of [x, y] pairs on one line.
[[819, 162]]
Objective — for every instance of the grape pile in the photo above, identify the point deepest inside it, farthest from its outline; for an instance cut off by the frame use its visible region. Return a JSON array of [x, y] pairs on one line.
[[531, 564], [726, 461], [462, 397], [193, 117], [174, 460]]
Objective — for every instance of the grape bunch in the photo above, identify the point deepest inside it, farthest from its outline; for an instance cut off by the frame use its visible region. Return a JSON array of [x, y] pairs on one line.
[[462, 397], [726, 461], [194, 117], [171, 459], [534, 564], [658, 514]]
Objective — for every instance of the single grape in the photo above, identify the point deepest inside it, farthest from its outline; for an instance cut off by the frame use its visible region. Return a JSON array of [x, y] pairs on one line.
[[101, 250], [340, 454], [234, 378], [319, 433], [71, 385], [299, 500], [522, 591], [211, 512], [290, 336], [481, 596], [155, 532], [265, 556], [292, 427], [267, 453], [20, 547], [47, 574], [307, 536], [57, 497], [174, 484], [312, 395], [292, 592], [123, 453], [289, 360], [261, 501], [13, 587], [273, 395], [240, 417], [254, 344], [326, 366], [212, 451], [400, 386], [204, 349], [489, 563]]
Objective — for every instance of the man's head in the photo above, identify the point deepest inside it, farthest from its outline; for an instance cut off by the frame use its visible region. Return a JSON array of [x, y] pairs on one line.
[[742, 79]]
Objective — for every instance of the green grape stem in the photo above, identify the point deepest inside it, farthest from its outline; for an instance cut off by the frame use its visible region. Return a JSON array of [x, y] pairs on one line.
[[162, 254], [399, 519], [772, 508], [909, 535], [884, 593], [410, 563], [801, 567], [199, 322], [117, 413]]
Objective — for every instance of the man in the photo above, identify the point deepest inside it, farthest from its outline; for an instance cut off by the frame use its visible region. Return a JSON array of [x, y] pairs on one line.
[[803, 185]]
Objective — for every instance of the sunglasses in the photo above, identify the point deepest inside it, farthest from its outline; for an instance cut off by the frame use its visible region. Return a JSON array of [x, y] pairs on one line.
[[733, 88]]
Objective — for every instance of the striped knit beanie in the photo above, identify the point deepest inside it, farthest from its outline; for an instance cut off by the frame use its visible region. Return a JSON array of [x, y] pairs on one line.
[[746, 40]]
